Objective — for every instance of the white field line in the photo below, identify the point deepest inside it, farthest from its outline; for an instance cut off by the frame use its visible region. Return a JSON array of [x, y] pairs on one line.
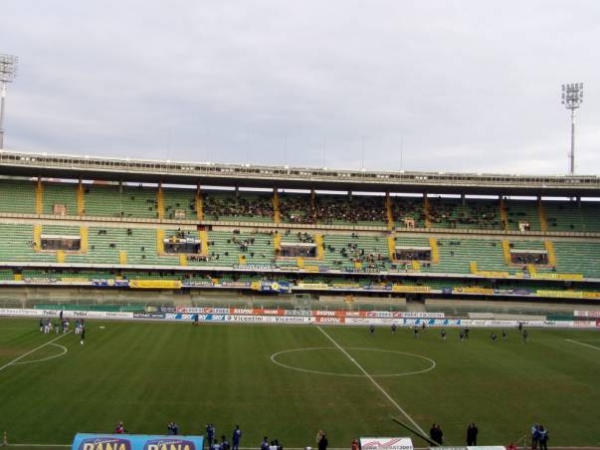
[[47, 358], [584, 344], [386, 395], [31, 351]]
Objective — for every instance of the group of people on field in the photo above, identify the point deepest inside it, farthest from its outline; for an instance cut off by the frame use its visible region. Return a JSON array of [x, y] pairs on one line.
[[539, 437], [212, 442]]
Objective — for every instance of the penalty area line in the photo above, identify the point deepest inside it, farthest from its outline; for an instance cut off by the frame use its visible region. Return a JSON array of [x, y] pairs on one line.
[[372, 380], [8, 364]]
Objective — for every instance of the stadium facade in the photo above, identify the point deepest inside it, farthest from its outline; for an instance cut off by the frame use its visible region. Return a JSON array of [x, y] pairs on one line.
[[125, 228]]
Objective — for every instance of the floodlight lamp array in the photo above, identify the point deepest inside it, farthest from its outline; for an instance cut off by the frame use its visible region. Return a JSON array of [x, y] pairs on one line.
[[572, 95], [8, 67]]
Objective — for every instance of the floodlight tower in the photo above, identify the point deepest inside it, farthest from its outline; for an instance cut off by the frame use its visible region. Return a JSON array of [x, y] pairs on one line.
[[572, 96], [8, 71]]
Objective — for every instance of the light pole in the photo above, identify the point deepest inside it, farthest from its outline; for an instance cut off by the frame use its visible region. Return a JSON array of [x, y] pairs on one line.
[[572, 96], [8, 71]]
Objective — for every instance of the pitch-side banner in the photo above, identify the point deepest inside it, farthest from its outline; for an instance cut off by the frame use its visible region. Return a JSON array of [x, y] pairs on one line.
[[84, 441], [386, 443]]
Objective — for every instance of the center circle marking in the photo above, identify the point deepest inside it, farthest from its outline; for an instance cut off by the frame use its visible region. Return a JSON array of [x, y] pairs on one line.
[[361, 375]]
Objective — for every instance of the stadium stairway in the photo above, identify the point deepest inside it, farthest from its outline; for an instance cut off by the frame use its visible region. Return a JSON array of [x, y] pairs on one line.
[[503, 214], [39, 198], [506, 251], [435, 253], [80, 199], [391, 247], [160, 203], [542, 216], [160, 243], [276, 214], [203, 235], [388, 211], [551, 254], [199, 205]]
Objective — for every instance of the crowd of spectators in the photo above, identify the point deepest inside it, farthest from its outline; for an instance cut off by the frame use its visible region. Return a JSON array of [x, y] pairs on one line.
[[296, 209], [408, 209], [332, 209], [354, 210], [529, 258], [238, 206], [371, 258], [449, 213], [403, 255]]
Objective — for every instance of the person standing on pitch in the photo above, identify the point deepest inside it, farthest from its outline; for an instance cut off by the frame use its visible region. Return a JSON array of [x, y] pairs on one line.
[[225, 443], [472, 432], [236, 437], [436, 434], [543, 438], [535, 436], [323, 442], [210, 434]]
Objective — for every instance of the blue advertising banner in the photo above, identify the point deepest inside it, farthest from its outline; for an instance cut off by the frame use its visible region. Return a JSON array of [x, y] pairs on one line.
[[85, 441]]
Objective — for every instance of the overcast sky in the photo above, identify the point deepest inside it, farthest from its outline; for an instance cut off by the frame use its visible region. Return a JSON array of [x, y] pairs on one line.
[[461, 86]]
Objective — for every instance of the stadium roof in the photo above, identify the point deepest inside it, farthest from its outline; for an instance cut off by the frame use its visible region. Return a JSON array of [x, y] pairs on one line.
[[283, 177]]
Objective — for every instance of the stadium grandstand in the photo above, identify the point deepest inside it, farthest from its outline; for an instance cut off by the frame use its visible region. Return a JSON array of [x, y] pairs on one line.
[[80, 227]]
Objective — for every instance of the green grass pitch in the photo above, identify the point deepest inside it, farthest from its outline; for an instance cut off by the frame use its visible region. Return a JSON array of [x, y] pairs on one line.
[[288, 382]]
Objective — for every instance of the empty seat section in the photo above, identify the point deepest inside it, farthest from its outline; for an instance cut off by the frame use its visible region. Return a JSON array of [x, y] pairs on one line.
[[179, 203], [522, 213], [17, 196], [60, 198], [578, 257], [111, 200], [456, 254]]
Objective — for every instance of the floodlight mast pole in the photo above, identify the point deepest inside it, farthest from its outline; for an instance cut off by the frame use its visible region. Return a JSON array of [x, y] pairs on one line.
[[8, 71], [572, 96]]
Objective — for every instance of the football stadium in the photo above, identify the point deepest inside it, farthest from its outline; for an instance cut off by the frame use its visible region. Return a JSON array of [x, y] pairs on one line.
[[295, 300]]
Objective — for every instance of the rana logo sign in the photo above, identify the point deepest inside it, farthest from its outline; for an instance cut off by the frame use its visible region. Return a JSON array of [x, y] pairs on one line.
[[170, 444], [84, 441], [104, 443]]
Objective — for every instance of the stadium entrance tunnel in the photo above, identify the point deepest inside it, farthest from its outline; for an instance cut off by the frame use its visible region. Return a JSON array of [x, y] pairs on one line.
[[353, 362]]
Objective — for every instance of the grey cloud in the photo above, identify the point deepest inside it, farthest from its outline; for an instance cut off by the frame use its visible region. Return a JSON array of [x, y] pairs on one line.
[[470, 86]]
